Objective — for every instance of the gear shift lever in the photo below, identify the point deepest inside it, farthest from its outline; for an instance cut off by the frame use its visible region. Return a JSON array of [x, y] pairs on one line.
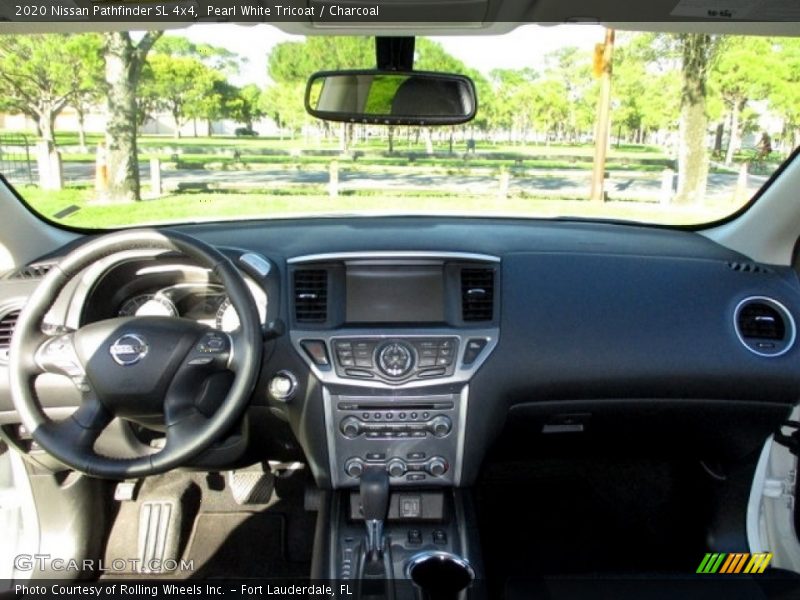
[[374, 491]]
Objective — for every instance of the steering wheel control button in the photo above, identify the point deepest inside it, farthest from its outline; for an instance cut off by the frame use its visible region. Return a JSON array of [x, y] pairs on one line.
[[473, 349], [201, 361], [129, 349], [316, 352], [212, 343], [283, 386], [395, 359], [414, 536], [439, 537]]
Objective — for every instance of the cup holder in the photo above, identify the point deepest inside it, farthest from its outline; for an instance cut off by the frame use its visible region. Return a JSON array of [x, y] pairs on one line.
[[439, 575]]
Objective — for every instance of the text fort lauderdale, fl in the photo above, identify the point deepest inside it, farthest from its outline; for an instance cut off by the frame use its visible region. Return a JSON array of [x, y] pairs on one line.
[[168, 589]]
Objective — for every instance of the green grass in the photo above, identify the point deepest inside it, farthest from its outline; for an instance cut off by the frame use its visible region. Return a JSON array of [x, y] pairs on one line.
[[206, 206]]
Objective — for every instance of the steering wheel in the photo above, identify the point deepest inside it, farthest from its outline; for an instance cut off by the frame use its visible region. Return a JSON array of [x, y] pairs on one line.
[[135, 367]]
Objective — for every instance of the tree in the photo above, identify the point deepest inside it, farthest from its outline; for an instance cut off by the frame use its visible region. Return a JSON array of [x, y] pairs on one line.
[[290, 64], [785, 97], [244, 105], [38, 76], [178, 84], [124, 63], [743, 71], [88, 86], [697, 52]]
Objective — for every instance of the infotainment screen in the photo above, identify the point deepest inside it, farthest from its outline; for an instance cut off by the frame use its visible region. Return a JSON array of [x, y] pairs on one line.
[[395, 294]]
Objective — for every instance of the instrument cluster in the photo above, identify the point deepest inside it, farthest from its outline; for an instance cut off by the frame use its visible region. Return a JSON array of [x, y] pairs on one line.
[[205, 303]]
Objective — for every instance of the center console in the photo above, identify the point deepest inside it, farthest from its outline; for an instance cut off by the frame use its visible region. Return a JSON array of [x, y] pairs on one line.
[[394, 339]]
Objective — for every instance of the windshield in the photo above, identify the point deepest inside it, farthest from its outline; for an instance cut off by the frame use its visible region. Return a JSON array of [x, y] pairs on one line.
[[208, 123]]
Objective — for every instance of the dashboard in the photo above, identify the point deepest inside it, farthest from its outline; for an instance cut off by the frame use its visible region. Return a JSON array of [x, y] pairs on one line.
[[424, 344]]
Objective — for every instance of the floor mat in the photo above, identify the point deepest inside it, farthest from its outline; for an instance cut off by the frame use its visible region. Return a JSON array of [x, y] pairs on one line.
[[245, 544], [589, 516]]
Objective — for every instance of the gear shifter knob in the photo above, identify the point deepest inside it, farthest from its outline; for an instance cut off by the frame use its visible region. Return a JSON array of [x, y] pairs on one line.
[[374, 493], [374, 490]]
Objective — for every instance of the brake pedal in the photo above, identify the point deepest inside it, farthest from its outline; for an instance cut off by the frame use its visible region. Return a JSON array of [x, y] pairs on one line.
[[159, 522], [251, 487]]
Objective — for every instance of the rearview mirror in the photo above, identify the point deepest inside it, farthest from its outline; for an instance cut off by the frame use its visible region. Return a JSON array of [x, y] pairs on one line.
[[391, 97]]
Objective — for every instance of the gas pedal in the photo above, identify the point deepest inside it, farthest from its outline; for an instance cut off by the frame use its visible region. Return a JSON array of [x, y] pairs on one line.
[[251, 487], [158, 535]]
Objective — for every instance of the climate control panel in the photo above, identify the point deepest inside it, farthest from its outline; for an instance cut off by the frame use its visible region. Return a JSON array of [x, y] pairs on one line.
[[414, 438], [395, 359]]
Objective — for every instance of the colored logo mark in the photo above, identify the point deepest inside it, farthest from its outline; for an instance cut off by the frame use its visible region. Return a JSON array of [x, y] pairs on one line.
[[732, 563]]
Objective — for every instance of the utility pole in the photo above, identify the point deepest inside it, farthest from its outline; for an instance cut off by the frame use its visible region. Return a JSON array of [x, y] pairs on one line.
[[602, 70]]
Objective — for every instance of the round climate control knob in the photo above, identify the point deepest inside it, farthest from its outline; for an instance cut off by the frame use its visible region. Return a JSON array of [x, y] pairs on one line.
[[354, 467], [437, 466], [350, 427], [395, 359], [440, 426], [396, 468]]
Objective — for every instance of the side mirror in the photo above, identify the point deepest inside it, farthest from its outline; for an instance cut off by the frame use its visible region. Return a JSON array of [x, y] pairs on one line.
[[391, 97]]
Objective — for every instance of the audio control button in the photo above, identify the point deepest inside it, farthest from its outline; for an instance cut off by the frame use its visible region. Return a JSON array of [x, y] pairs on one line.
[[440, 426], [395, 359], [350, 427]]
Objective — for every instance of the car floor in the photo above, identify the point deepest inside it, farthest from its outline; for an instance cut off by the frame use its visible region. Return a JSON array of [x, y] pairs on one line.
[[271, 537], [580, 516]]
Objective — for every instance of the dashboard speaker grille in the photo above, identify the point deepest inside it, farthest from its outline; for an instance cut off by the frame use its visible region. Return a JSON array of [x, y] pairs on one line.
[[477, 294], [7, 324], [311, 295]]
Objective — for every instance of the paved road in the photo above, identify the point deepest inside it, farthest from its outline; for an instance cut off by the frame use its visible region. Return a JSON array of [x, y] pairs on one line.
[[621, 184]]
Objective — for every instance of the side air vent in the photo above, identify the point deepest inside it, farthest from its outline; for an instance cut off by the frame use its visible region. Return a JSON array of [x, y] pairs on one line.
[[764, 326], [35, 271], [7, 324], [477, 294], [747, 267], [311, 295]]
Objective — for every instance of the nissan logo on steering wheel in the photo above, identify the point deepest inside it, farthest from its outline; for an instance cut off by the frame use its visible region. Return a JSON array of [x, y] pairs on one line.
[[128, 350]]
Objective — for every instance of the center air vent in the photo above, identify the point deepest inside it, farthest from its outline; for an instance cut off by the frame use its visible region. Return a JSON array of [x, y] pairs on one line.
[[7, 324], [311, 295], [764, 326], [477, 294]]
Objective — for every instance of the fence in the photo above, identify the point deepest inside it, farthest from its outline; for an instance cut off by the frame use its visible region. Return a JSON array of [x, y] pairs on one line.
[[15, 158]]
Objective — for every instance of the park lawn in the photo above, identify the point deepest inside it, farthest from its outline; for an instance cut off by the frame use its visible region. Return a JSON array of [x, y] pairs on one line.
[[229, 206]]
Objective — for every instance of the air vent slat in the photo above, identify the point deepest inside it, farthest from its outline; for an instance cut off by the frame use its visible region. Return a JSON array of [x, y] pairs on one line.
[[477, 294], [7, 324], [311, 295], [34, 271], [764, 326]]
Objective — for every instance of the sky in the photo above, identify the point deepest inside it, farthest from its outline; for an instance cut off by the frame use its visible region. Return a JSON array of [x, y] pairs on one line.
[[523, 47]]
